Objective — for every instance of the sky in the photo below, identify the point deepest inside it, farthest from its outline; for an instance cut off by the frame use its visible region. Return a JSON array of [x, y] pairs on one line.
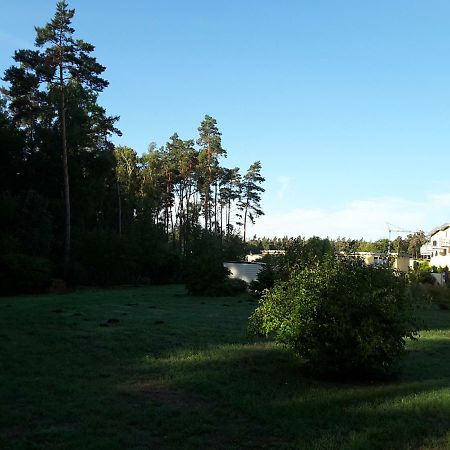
[[345, 103]]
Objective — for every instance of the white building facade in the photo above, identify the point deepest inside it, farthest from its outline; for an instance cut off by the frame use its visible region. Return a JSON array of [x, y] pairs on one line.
[[437, 249]]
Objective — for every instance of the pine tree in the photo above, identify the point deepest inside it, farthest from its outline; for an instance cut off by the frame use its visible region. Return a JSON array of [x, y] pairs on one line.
[[210, 151], [251, 195], [59, 61]]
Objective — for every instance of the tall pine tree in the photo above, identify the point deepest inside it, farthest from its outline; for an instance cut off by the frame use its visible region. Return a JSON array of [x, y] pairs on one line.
[[210, 151], [45, 74], [251, 195]]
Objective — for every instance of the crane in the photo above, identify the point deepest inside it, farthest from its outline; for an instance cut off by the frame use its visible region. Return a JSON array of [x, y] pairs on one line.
[[394, 228]]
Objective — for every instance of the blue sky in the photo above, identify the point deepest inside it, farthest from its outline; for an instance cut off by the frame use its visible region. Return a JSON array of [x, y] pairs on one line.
[[346, 103]]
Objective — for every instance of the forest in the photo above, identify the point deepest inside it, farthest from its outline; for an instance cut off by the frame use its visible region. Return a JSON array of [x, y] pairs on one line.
[[75, 207], [78, 209]]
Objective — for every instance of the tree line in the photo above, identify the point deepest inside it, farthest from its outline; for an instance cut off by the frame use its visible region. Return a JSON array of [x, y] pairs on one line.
[[75, 206], [410, 244]]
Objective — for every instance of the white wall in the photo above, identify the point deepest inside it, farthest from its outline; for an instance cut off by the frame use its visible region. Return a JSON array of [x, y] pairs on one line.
[[243, 270]]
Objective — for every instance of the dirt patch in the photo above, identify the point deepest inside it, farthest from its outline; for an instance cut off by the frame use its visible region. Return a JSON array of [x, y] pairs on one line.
[[163, 393], [58, 286]]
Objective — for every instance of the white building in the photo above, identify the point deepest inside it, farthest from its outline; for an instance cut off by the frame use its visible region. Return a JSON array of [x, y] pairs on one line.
[[438, 246], [247, 271], [258, 256]]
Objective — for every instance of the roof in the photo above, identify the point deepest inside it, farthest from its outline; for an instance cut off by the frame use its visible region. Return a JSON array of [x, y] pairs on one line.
[[441, 228]]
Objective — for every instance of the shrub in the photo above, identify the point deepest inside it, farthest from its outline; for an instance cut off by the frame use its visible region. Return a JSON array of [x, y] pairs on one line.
[[158, 260], [23, 274], [103, 259], [204, 273], [341, 316], [265, 280], [422, 273], [234, 286], [301, 253]]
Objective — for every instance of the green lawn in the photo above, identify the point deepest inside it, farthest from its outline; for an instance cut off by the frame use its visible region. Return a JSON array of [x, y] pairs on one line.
[[172, 371]]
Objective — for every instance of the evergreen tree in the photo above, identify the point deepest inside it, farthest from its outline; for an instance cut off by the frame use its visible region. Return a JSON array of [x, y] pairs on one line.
[[210, 150], [44, 75], [249, 203]]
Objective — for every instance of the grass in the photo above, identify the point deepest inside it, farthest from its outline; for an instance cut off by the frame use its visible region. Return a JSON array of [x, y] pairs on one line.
[[150, 368]]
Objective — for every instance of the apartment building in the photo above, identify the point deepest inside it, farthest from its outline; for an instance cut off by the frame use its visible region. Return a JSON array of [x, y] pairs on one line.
[[437, 249]]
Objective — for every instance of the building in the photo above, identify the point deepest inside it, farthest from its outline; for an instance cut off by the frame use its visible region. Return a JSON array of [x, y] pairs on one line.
[[258, 256], [438, 246], [247, 271], [399, 262]]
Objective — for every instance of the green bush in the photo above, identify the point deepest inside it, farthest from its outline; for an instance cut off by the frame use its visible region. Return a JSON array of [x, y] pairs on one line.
[[23, 274], [421, 273], [340, 316], [301, 253]]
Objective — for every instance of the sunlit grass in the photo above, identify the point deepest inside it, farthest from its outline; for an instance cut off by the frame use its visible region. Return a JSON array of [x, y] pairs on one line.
[[154, 368]]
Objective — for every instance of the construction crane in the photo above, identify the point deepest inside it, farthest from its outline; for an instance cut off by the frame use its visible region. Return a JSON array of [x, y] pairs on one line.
[[394, 228]]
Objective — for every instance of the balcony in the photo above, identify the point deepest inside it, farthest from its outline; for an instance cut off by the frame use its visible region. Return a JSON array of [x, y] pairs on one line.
[[444, 242], [427, 249]]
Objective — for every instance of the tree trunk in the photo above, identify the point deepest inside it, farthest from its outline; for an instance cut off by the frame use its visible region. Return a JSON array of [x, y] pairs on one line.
[[65, 172], [208, 184], [215, 207], [221, 218], [245, 222], [120, 206], [228, 215]]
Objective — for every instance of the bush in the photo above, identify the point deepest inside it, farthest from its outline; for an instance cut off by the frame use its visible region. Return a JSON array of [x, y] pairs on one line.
[[301, 253], [204, 273], [265, 280], [23, 274], [422, 273], [342, 317], [234, 286], [103, 259], [158, 260]]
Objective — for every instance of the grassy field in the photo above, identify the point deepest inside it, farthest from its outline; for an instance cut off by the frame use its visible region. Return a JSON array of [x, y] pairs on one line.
[[150, 368]]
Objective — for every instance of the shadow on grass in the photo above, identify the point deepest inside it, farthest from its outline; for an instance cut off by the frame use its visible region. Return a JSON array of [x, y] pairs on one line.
[[70, 383], [256, 396]]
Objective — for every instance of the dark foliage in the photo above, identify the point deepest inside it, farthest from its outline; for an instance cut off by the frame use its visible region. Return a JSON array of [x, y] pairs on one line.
[[234, 286], [103, 259], [23, 274], [204, 272], [265, 280]]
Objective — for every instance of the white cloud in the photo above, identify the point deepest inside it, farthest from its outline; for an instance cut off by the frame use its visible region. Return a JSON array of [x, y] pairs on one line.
[[365, 218]]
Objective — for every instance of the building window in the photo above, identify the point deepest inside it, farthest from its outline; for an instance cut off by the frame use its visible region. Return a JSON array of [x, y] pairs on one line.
[[434, 243]]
